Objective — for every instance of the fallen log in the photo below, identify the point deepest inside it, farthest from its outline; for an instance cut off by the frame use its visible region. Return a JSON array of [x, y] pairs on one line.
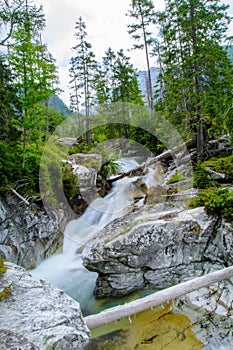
[[157, 298], [141, 168]]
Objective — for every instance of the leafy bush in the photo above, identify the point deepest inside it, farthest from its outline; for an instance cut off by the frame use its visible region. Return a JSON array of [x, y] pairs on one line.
[[201, 177], [223, 165], [216, 201]]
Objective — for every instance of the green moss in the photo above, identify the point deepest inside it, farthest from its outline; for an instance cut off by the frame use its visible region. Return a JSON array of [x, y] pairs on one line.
[[2, 266], [4, 294]]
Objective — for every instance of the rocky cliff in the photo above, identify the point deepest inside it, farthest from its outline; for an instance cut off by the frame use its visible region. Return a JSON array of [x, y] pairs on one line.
[[27, 234]]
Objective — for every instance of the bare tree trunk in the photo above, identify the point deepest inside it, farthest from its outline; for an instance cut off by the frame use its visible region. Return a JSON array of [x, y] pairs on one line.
[[158, 298]]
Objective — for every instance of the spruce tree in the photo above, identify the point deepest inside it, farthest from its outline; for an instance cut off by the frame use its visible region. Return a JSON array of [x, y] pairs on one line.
[[83, 68], [198, 75], [143, 15], [12, 16], [35, 79]]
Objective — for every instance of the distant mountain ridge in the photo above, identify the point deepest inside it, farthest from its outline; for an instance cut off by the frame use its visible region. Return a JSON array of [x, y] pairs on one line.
[[58, 105], [143, 81]]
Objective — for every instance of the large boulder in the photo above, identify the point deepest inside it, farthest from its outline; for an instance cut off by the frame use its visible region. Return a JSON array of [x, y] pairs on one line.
[[27, 234], [157, 250], [37, 315]]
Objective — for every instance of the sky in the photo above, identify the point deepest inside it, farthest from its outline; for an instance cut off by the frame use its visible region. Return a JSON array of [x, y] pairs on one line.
[[106, 27]]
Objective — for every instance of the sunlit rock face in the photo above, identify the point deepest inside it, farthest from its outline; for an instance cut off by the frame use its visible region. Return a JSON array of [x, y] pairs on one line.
[[27, 234], [144, 251], [37, 315]]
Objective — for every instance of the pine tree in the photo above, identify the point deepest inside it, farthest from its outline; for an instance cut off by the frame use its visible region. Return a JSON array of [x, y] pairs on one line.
[[35, 77], [10, 108], [116, 80], [12, 16], [197, 72], [83, 68], [143, 14], [125, 78]]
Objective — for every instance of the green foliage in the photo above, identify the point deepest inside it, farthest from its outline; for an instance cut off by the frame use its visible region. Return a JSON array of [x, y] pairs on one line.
[[201, 178], [197, 74], [116, 80], [110, 167], [216, 201], [223, 165], [81, 147], [175, 178]]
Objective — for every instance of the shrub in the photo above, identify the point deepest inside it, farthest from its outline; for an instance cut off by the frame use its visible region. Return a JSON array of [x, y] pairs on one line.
[[223, 165], [201, 177], [70, 182], [216, 201]]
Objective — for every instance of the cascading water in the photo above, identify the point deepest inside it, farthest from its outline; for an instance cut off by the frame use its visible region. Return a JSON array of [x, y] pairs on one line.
[[65, 270]]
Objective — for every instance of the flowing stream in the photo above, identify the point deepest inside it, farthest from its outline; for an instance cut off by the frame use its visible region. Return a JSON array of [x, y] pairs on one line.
[[65, 269]]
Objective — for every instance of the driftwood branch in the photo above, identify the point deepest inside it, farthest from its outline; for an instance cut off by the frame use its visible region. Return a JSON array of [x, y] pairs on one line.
[[158, 298], [21, 197]]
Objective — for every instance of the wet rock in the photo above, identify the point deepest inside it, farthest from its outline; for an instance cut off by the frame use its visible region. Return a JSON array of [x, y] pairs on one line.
[[38, 315]]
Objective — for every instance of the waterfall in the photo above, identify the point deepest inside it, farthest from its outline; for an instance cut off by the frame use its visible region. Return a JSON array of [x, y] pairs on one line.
[[65, 269]]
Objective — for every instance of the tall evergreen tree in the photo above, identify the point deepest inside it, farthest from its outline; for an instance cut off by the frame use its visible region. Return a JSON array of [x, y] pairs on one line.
[[35, 79], [198, 75], [143, 15], [12, 16], [83, 68], [10, 108], [125, 77], [116, 80]]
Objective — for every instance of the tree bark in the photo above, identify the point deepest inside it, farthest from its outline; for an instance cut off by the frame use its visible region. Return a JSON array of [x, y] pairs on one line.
[[158, 298]]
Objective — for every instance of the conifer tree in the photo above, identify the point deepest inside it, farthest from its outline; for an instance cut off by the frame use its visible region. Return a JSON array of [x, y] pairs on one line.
[[143, 15], [83, 68], [35, 78], [198, 75], [117, 79], [12, 16]]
